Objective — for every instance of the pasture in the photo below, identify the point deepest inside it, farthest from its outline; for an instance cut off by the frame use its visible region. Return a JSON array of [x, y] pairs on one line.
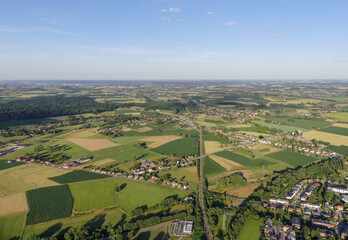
[[247, 162], [212, 147], [336, 130], [243, 191], [93, 195], [293, 158], [151, 194], [77, 176], [251, 229], [333, 139], [93, 144], [4, 165], [14, 203], [49, 203], [11, 226], [157, 141], [339, 149], [300, 123], [212, 167], [189, 173], [338, 115], [103, 162], [179, 148], [226, 163], [284, 128]]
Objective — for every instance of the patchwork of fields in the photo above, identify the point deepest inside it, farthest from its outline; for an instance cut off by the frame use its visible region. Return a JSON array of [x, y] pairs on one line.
[[293, 158]]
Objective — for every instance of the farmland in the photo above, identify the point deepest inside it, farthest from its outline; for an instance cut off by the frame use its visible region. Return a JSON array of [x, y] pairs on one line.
[[251, 229], [178, 148], [14, 203], [212, 147], [212, 167], [333, 139], [4, 165], [225, 163], [292, 158], [188, 173], [93, 144], [77, 176], [11, 226], [247, 162], [157, 141], [336, 130], [93, 195], [49, 203], [300, 123], [339, 149], [338, 115]]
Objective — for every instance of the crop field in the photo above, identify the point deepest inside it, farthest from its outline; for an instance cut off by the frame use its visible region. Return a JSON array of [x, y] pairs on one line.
[[212, 147], [243, 191], [14, 203], [77, 176], [300, 123], [339, 115], [226, 163], [212, 167], [293, 158], [144, 129], [157, 141], [93, 144], [49, 203], [251, 230], [93, 195], [151, 194], [342, 125], [84, 133], [285, 128], [247, 162], [103, 162], [339, 149], [179, 148], [189, 173], [333, 139], [58, 227], [11, 226], [336, 130], [26, 177], [4, 165]]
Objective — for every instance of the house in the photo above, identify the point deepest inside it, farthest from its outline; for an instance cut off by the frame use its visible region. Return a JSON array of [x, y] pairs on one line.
[[339, 208], [188, 228], [295, 222], [278, 201], [338, 189], [323, 223], [311, 206]]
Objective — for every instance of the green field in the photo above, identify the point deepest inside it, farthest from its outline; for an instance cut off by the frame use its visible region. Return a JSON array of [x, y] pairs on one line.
[[77, 176], [278, 126], [16, 123], [339, 149], [338, 115], [136, 194], [93, 195], [251, 229], [4, 165], [49, 203], [247, 162], [336, 130], [300, 123], [11, 226], [179, 148], [293, 158], [212, 167]]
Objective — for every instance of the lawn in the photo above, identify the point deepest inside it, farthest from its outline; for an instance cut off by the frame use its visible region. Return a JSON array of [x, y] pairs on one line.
[[136, 194], [5, 165], [212, 167], [77, 176], [247, 162], [251, 229], [49, 203], [179, 148], [336, 130], [293, 158], [11, 226], [93, 195]]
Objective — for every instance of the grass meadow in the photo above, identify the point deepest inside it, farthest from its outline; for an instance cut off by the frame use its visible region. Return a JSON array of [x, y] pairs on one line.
[[293, 158]]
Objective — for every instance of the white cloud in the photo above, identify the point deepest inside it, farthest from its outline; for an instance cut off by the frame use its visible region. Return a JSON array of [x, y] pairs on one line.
[[17, 30], [179, 20], [175, 10], [267, 25], [280, 36], [210, 13], [164, 10], [231, 23], [166, 19]]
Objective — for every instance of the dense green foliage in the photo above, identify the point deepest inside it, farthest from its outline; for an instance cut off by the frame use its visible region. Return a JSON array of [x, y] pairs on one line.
[[51, 106], [49, 203], [5, 165], [233, 180], [212, 167], [179, 148], [241, 159], [336, 130], [77, 176], [293, 158]]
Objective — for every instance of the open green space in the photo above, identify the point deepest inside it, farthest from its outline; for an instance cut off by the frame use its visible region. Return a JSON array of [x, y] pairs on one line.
[[247, 162], [251, 229], [300, 123], [11, 226], [284, 128], [4, 165], [338, 115], [93, 195], [77, 176], [17, 123], [293, 158], [339, 149], [49, 203], [212, 167], [336, 130], [179, 148], [136, 194]]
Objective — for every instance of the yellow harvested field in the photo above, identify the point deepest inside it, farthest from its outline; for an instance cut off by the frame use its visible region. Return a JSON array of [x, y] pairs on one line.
[[239, 125], [93, 144], [144, 129], [334, 139], [212, 147], [302, 111], [127, 129], [244, 191], [227, 164], [343, 125], [104, 161], [160, 140], [13, 204]]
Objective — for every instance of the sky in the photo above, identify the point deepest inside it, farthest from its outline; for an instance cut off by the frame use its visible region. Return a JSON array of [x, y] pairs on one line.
[[173, 39]]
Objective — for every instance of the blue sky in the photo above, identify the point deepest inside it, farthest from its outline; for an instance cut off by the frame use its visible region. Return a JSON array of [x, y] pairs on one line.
[[173, 39]]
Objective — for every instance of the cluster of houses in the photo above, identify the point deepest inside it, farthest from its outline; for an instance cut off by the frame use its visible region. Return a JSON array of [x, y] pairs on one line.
[[27, 159], [76, 163], [13, 148], [274, 232]]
